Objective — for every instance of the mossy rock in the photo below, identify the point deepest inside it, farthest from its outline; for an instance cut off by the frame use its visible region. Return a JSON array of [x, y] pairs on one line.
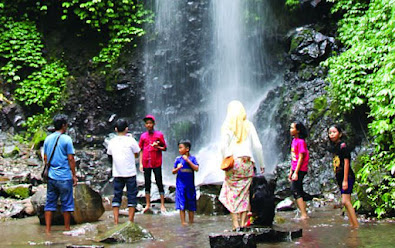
[[11, 151], [39, 137], [319, 108], [21, 191], [128, 232]]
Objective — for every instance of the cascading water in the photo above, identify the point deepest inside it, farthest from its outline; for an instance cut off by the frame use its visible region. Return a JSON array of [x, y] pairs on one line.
[[199, 57]]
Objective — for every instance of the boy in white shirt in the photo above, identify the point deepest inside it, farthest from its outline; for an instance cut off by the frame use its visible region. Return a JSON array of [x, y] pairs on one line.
[[122, 152]]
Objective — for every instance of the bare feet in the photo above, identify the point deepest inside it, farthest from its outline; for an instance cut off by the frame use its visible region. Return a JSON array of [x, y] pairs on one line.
[[184, 223], [146, 208], [163, 209]]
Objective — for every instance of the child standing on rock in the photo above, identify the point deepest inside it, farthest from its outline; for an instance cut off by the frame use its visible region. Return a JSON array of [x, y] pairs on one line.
[[122, 151], [185, 166], [152, 144], [344, 174], [299, 165]]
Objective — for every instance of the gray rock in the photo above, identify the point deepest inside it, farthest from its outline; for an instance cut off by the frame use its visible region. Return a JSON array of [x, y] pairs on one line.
[[250, 237], [88, 204], [128, 232], [285, 205], [10, 151], [208, 202]]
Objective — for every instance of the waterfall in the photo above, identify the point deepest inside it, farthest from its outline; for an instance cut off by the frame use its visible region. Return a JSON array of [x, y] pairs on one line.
[[200, 55]]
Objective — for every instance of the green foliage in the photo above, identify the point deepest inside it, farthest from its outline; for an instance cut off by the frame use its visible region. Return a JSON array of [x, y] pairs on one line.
[[292, 5], [365, 75], [43, 88], [120, 20], [20, 49]]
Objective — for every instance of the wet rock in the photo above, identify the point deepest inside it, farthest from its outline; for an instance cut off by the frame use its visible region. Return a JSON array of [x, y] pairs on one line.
[[286, 205], [233, 239], [28, 207], [308, 45], [16, 210], [88, 204], [250, 237], [128, 232], [14, 117], [208, 202], [82, 230], [84, 246]]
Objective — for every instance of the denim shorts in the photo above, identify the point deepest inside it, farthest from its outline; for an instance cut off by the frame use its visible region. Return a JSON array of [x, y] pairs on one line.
[[62, 189], [131, 186]]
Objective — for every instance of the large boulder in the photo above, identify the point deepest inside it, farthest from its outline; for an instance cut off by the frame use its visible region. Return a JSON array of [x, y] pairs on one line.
[[208, 202], [128, 232], [309, 46], [88, 206]]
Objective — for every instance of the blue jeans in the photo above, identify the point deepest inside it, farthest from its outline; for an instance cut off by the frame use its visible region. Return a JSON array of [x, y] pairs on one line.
[[131, 186], [62, 189]]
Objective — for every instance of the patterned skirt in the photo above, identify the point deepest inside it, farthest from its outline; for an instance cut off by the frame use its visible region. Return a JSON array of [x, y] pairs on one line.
[[235, 191]]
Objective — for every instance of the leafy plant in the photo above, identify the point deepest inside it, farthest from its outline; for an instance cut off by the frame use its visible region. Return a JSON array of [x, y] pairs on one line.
[[120, 20], [292, 5]]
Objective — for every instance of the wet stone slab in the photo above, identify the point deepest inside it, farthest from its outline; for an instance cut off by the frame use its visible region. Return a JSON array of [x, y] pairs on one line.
[[249, 237]]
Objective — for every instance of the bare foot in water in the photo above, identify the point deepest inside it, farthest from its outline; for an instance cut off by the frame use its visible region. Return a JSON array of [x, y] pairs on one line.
[[163, 209], [304, 217], [146, 209]]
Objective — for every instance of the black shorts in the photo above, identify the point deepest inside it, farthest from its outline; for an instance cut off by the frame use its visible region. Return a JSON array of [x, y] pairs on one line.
[[297, 186]]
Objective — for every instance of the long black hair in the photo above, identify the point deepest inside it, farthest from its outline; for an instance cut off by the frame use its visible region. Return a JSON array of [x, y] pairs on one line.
[[303, 133]]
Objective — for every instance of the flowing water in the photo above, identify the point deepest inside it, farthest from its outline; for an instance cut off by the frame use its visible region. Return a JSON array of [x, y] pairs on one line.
[[200, 56], [325, 228]]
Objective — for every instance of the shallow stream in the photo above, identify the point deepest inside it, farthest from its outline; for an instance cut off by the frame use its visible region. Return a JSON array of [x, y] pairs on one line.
[[326, 228]]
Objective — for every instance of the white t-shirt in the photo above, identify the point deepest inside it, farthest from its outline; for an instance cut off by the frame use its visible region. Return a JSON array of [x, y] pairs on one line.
[[122, 150]]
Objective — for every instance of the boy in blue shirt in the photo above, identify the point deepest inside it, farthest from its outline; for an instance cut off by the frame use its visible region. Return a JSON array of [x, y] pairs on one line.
[[185, 166]]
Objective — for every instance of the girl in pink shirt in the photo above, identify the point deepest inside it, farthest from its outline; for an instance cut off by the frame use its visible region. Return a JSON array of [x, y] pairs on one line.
[[299, 162]]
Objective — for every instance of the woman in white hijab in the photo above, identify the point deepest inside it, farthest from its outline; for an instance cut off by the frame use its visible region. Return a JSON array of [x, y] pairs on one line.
[[240, 140]]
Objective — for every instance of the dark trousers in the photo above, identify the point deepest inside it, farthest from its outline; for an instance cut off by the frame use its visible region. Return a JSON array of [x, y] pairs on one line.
[[158, 179], [297, 186]]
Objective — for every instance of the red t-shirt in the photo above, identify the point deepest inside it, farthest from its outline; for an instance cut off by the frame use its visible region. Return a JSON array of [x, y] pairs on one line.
[[152, 157], [299, 146]]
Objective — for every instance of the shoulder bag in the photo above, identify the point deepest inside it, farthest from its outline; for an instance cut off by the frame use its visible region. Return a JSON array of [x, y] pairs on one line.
[[228, 162], [44, 173]]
